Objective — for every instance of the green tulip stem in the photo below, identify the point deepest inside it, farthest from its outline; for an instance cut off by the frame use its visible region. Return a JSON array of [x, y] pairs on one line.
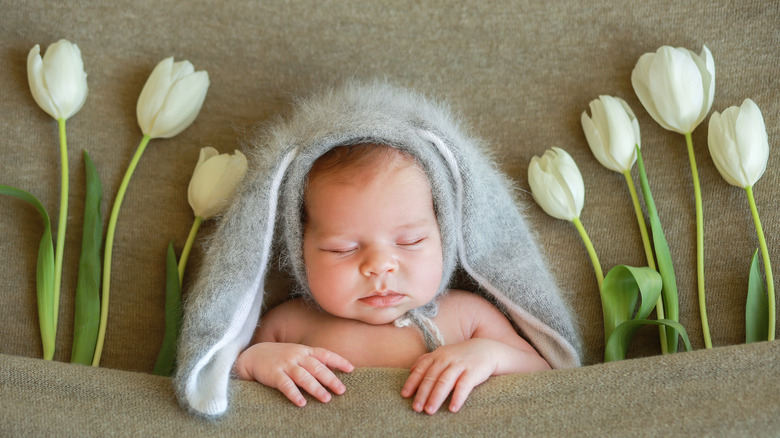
[[591, 251], [109, 248], [770, 285], [185, 254], [597, 267], [705, 327], [62, 221], [640, 218]]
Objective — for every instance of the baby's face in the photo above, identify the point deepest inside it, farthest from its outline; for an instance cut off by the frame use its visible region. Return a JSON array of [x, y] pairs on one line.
[[371, 243]]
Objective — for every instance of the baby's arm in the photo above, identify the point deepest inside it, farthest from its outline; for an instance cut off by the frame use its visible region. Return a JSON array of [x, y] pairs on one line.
[[492, 348], [287, 366]]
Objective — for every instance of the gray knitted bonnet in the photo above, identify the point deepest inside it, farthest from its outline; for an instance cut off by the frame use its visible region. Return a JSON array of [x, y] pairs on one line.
[[483, 231]]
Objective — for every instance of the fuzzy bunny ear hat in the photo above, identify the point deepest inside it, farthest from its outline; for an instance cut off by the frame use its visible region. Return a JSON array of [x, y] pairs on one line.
[[483, 231]]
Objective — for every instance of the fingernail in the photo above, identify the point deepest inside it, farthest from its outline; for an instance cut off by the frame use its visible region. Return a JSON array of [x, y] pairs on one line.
[[417, 407]]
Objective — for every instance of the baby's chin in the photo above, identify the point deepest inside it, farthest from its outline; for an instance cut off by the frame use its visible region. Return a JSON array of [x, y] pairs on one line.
[[379, 317]]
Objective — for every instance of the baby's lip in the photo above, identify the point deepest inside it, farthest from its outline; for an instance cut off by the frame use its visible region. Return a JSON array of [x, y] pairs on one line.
[[381, 299]]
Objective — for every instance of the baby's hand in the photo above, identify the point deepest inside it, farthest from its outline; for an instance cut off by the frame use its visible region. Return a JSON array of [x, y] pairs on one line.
[[289, 366], [455, 368]]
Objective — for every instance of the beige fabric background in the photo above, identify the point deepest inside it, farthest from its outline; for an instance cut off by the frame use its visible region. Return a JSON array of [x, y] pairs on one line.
[[519, 72], [673, 396]]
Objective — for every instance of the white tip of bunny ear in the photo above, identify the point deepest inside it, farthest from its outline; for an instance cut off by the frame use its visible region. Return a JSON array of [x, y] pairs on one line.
[[206, 382]]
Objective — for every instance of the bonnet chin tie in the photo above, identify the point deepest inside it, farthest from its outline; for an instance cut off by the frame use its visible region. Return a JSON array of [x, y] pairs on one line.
[[431, 335]]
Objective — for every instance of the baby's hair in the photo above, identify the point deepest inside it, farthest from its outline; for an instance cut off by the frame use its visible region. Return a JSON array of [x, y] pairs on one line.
[[344, 162], [358, 156]]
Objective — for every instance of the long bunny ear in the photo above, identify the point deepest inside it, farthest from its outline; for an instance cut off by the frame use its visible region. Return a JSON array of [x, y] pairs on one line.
[[222, 309], [496, 248]]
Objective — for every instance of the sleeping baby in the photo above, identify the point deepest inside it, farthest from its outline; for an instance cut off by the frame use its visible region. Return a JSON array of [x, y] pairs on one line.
[[373, 196], [372, 251]]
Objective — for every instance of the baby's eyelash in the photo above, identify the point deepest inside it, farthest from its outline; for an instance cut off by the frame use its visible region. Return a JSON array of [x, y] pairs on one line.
[[340, 251], [412, 242]]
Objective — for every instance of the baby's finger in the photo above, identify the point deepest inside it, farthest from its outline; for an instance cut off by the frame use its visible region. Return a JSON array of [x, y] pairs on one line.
[[332, 360], [306, 381], [426, 386], [324, 375], [466, 383], [290, 390], [444, 385], [413, 381]]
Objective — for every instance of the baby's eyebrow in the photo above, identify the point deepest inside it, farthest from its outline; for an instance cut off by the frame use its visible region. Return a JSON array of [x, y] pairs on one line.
[[421, 223]]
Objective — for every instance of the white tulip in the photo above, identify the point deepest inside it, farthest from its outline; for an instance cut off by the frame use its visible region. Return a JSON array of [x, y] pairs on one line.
[[556, 184], [612, 133], [739, 144], [214, 181], [676, 86], [58, 81], [171, 98]]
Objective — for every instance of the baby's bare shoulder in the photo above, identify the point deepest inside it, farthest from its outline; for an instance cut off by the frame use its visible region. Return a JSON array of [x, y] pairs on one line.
[[275, 324], [466, 302], [463, 313]]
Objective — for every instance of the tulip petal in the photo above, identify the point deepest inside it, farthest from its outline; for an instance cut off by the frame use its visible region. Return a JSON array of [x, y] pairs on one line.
[[37, 85], [153, 94], [709, 77], [621, 146], [207, 198], [596, 143], [205, 153], [612, 133], [181, 106], [634, 125], [181, 69], [214, 181], [640, 80], [706, 66], [752, 141], [548, 193], [723, 148], [676, 85], [64, 76], [569, 177]]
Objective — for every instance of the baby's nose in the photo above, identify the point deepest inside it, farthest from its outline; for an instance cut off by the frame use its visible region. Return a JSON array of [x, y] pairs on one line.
[[378, 262]]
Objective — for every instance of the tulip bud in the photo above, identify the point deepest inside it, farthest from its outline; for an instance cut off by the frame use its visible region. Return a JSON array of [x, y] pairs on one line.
[[214, 181], [676, 86], [556, 184], [171, 98], [739, 144], [612, 133], [57, 81]]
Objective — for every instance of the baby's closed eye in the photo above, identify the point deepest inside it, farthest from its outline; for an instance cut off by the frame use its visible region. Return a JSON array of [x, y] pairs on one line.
[[411, 242], [340, 251]]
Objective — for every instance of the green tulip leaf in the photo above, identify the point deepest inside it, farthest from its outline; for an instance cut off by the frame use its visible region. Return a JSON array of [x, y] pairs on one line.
[[618, 342], [44, 273], [757, 309], [87, 313], [663, 258], [166, 359], [622, 289]]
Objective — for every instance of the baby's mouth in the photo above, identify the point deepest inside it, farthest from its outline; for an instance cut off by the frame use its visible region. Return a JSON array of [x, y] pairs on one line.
[[382, 299]]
